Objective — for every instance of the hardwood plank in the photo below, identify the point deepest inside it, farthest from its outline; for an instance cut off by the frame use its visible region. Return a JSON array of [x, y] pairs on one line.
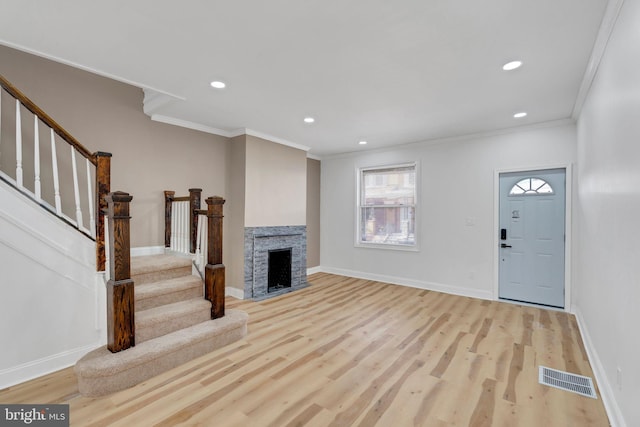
[[347, 351], [483, 413]]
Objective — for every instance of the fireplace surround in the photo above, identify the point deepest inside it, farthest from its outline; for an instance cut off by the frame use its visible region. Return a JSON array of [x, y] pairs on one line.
[[259, 242]]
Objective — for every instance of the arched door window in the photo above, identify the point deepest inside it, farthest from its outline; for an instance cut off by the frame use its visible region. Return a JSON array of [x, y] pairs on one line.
[[531, 186]]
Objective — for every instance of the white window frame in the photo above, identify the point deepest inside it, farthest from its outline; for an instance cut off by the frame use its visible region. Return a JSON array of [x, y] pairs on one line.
[[359, 206]]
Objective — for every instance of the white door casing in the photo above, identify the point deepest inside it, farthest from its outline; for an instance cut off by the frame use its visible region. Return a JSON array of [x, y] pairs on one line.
[[532, 254]]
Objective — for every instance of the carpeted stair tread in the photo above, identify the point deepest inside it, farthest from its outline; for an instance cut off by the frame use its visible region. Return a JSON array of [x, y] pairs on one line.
[[149, 295], [101, 372], [168, 318], [152, 268]]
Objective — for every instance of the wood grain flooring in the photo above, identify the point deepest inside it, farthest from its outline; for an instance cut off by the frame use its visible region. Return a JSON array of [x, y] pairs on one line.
[[351, 352]]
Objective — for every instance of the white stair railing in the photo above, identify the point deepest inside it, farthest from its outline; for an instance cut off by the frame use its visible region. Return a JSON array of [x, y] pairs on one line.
[[180, 227], [73, 208]]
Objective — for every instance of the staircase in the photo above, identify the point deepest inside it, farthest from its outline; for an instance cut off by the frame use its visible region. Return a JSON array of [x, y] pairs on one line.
[[158, 315], [172, 326]]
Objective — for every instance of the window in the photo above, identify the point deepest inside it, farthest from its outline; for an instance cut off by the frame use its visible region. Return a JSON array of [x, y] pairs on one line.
[[530, 186], [387, 206]]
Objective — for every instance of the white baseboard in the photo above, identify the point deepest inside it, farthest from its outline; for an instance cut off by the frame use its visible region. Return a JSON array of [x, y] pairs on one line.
[[312, 270], [234, 292], [37, 368], [606, 391], [455, 290], [147, 250]]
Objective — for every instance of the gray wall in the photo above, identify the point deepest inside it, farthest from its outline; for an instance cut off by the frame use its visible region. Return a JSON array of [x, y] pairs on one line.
[[313, 213]]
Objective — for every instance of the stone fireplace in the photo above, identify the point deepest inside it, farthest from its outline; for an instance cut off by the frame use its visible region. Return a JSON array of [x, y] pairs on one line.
[[275, 260]]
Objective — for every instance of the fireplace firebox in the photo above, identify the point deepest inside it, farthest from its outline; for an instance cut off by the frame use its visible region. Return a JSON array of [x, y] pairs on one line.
[[279, 271]]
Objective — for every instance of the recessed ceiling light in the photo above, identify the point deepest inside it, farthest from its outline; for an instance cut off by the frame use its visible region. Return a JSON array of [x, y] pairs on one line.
[[512, 65], [362, 142], [218, 84], [520, 115], [309, 120]]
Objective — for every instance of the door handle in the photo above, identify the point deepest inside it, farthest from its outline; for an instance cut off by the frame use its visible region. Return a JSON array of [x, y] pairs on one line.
[[504, 245]]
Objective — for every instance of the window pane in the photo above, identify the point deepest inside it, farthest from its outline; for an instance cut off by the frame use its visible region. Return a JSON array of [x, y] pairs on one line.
[[531, 186], [391, 225], [393, 186]]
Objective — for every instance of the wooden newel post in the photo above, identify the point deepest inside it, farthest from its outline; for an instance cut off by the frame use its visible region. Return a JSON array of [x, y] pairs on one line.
[[195, 195], [103, 188], [214, 271], [120, 303], [168, 199]]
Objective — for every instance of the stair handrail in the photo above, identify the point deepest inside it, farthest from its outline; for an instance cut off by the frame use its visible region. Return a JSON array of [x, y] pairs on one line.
[[101, 160]]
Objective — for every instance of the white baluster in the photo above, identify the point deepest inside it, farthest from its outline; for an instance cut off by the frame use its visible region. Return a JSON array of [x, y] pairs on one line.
[[56, 180], [92, 220], [76, 190], [36, 157], [205, 240], [174, 226], [185, 228], [187, 233], [18, 145], [182, 230], [198, 243]]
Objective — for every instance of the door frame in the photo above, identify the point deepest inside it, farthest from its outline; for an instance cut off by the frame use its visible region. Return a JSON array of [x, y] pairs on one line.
[[568, 227]]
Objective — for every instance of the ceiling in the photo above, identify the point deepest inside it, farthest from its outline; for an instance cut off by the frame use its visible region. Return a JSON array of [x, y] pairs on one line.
[[385, 72]]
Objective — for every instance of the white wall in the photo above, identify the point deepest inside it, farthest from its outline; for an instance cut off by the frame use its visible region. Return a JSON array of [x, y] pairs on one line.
[[51, 299], [456, 184], [608, 263]]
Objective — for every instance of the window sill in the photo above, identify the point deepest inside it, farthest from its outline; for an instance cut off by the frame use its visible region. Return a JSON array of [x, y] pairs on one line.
[[402, 248]]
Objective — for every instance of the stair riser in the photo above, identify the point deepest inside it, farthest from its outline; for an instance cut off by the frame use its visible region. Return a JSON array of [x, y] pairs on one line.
[[146, 331], [157, 276], [181, 295]]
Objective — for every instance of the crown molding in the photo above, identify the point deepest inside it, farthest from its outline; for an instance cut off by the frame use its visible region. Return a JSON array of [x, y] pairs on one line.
[[153, 101], [276, 139], [228, 134], [88, 69], [459, 138], [189, 125], [599, 48]]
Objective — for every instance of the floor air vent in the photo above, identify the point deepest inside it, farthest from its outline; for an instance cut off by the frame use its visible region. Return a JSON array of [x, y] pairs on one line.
[[566, 381]]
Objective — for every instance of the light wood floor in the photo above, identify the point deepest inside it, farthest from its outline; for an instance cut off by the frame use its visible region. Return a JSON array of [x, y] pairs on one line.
[[346, 352]]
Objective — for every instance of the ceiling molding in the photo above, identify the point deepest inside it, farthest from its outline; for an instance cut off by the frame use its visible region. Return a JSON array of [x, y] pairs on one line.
[[228, 134], [237, 132], [459, 138], [153, 101], [89, 69], [313, 156], [604, 34], [276, 139], [190, 125]]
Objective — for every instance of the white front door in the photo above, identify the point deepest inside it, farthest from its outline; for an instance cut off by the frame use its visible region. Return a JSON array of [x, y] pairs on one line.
[[531, 236]]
